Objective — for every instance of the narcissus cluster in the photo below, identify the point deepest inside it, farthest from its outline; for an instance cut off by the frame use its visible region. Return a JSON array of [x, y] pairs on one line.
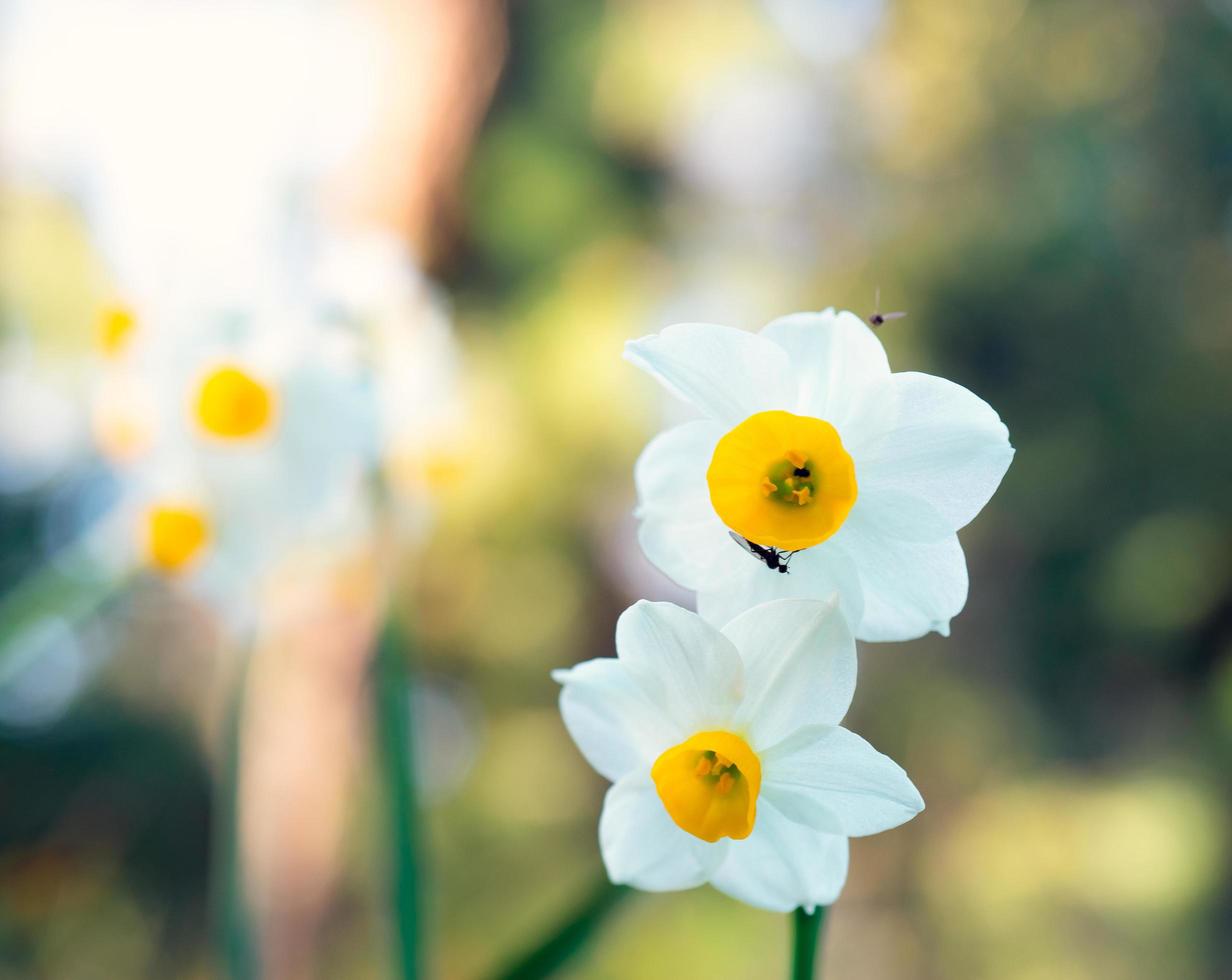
[[817, 500], [239, 435]]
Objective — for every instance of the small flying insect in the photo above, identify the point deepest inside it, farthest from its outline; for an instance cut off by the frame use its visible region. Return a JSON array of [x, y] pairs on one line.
[[877, 318], [772, 558]]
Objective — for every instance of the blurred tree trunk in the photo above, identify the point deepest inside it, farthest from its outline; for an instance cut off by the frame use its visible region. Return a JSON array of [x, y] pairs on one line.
[[305, 721], [303, 737], [445, 59]]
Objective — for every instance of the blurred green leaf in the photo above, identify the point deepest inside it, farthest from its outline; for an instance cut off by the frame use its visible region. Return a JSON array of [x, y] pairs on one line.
[[570, 938]]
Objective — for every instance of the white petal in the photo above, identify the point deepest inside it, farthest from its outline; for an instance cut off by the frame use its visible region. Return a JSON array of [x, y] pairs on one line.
[[946, 446], [799, 667], [889, 513], [671, 471], [615, 725], [641, 846], [685, 666], [816, 573], [680, 532], [692, 553], [729, 374], [832, 780], [909, 587], [839, 364], [783, 865]]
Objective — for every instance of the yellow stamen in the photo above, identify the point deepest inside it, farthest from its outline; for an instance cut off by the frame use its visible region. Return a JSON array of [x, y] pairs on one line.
[[231, 404], [115, 327], [709, 784], [175, 536], [804, 459]]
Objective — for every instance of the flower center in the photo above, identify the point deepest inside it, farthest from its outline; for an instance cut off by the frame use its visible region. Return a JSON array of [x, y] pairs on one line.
[[709, 784], [232, 404], [782, 480], [175, 536], [115, 328]]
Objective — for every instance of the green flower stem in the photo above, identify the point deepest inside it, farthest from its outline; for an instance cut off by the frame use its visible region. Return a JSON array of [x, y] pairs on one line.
[[237, 948], [569, 938], [807, 929], [393, 722]]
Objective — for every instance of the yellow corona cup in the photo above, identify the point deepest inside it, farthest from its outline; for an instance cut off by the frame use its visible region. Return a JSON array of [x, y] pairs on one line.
[[709, 784], [232, 404], [782, 480], [175, 536]]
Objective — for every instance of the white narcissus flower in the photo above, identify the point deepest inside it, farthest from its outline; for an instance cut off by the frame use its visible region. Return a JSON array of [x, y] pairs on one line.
[[235, 442], [726, 756], [810, 445]]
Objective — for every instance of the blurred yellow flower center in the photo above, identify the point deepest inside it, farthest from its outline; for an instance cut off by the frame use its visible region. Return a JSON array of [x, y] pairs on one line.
[[782, 480], [232, 404], [115, 327], [709, 785], [175, 536]]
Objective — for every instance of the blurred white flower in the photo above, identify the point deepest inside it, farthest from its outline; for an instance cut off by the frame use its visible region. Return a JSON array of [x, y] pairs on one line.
[[163, 520], [811, 446], [262, 405], [407, 343], [240, 435], [726, 755]]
